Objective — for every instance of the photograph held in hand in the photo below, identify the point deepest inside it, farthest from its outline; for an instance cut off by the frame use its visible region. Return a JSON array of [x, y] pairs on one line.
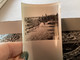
[[41, 31]]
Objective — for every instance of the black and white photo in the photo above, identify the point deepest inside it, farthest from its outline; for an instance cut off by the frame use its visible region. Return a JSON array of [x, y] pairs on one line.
[[13, 37], [41, 31], [41, 28], [71, 38]]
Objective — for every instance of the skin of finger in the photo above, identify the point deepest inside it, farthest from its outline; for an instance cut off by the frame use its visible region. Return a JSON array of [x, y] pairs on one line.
[[16, 58], [15, 49], [10, 49], [4, 51]]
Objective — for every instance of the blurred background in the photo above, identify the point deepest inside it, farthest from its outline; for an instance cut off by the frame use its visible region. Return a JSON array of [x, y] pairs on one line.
[[12, 9]]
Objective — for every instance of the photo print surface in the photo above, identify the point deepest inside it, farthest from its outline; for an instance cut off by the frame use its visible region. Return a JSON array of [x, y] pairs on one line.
[[41, 28], [14, 37], [41, 23], [41, 31], [71, 38], [10, 31]]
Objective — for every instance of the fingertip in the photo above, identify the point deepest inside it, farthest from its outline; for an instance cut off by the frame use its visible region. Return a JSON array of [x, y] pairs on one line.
[[15, 48]]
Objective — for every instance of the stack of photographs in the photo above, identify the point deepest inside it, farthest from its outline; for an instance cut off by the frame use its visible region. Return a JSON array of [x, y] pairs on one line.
[[71, 38], [10, 31]]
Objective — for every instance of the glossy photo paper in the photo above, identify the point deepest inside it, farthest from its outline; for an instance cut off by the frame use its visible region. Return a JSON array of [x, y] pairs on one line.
[[41, 31]]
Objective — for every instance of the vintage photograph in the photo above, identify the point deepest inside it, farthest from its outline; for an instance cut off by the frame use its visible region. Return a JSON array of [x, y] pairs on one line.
[[41, 28], [71, 45], [71, 38], [15, 37], [41, 22]]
